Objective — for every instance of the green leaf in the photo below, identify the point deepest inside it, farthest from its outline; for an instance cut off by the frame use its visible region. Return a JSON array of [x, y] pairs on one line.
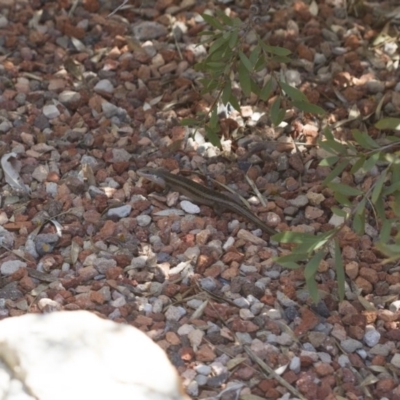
[[371, 162], [359, 223], [266, 91], [329, 162], [294, 237], [212, 21], [394, 187], [335, 172], [279, 51], [246, 62], [291, 258], [311, 267], [276, 112], [289, 265], [342, 200], [328, 134], [233, 40], [313, 289], [395, 204], [385, 231], [389, 123], [254, 55], [344, 189], [218, 44], [380, 208], [226, 93], [339, 212], [364, 140], [244, 79], [214, 118], [332, 146], [212, 136], [225, 19], [308, 107], [358, 164], [234, 102], [378, 187], [293, 93], [339, 270], [189, 122], [254, 87]]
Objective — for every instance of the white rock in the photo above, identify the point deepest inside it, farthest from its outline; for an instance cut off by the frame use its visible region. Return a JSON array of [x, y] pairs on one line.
[[77, 355], [189, 207], [104, 86]]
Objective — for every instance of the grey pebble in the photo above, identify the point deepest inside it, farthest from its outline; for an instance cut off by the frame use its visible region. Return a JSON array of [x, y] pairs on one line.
[[351, 345]]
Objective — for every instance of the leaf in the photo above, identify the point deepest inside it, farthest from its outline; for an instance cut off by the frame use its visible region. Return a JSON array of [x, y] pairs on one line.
[[244, 79], [358, 164], [212, 136], [371, 162], [246, 62], [233, 40], [266, 91], [225, 19], [293, 93], [339, 212], [308, 107], [336, 172], [254, 87], [378, 187], [329, 161], [226, 93], [332, 146], [344, 189], [294, 237], [276, 112], [359, 223], [339, 270], [254, 55], [218, 44], [364, 140], [291, 258], [235, 104], [386, 228], [212, 21], [311, 267], [189, 122], [279, 51], [389, 123], [342, 200], [214, 118], [11, 167], [313, 289]]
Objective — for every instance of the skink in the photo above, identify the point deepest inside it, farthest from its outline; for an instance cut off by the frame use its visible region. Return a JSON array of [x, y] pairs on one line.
[[201, 194]]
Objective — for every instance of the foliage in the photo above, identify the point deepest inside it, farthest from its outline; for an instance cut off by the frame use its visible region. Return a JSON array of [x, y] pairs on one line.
[[227, 60], [360, 157]]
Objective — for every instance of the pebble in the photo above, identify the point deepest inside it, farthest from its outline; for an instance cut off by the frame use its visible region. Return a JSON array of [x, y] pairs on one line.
[[350, 345], [242, 302], [299, 201], [396, 360], [9, 267], [175, 313], [343, 360], [104, 85], [68, 97], [244, 337], [148, 30], [193, 388], [50, 111], [201, 380], [120, 212], [143, 220], [380, 350], [371, 336], [295, 364], [189, 207], [185, 329], [284, 339]]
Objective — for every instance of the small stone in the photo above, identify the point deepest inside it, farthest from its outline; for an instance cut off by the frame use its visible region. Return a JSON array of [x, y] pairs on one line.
[[175, 313], [143, 220], [69, 97], [120, 212], [380, 350], [295, 364], [299, 201], [189, 207], [9, 267], [104, 86], [148, 30], [396, 360], [351, 345], [50, 111], [371, 336]]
